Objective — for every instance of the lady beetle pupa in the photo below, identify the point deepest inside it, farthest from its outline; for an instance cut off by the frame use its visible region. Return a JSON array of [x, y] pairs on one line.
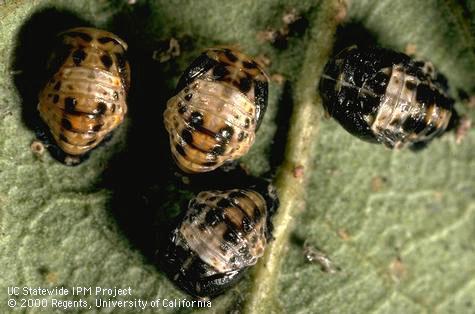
[[384, 96], [219, 104], [85, 99], [220, 235]]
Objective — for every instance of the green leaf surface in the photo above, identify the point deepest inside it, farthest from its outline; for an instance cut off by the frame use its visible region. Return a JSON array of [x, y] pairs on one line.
[[398, 226]]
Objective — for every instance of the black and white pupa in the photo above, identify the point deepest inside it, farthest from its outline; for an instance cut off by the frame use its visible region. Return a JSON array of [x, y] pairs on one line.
[[218, 237], [384, 96]]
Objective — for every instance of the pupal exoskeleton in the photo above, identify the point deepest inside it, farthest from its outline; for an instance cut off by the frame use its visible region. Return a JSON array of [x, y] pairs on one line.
[[219, 104], [384, 96], [85, 98], [219, 236]]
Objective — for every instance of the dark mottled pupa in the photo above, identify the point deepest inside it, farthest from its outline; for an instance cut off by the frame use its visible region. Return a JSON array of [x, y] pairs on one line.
[[219, 104], [221, 234], [85, 98], [384, 96]]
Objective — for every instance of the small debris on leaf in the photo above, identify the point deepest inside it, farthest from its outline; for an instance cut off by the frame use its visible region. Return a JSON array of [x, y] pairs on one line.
[[377, 183], [293, 25], [279, 79], [298, 171], [410, 49], [397, 269], [263, 60], [471, 102], [170, 51], [343, 234], [342, 12], [462, 129], [37, 148], [314, 255]]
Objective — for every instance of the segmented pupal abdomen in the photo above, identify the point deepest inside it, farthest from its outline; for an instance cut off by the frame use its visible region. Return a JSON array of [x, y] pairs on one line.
[[227, 230], [384, 96], [85, 98], [220, 102], [221, 234]]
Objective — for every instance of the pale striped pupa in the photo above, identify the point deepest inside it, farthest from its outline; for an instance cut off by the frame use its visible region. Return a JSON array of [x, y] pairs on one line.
[[219, 236], [85, 99], [219, 104]]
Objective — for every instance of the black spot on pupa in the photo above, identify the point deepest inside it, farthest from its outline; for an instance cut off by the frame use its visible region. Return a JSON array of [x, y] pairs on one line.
[[188, 97], [212, 198], [247, 123], [187, 136], [115, 95], [249, 65], [218, 150], [236, 194], [192, 216], [78, 56], [200, 207], [180, 150], [244, 250], [220, 71], [224, 247], [230, 55], [120, 61], [196, 119], [231, 237], [70, 104], [224, 203], [409, 124], [419, 64], [83, 36], [209, 163], [63, 138], [106, 61], [424, 94], [101, 108], [410, 85], [420, 126], [203, 226], [245, 84], [214, 216], [97, 127], [182, 108], [57, 86], [257, 213], [247, 225], [113, 108], [225, 134], [395, 122], [241, 136], [55, 99], [105, 40], [66, 124], [431, 128]]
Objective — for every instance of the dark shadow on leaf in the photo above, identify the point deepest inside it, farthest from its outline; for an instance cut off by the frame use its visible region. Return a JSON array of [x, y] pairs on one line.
[[35, 42], [353, 33], [296, 240], [141, 178], [285, 107]]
